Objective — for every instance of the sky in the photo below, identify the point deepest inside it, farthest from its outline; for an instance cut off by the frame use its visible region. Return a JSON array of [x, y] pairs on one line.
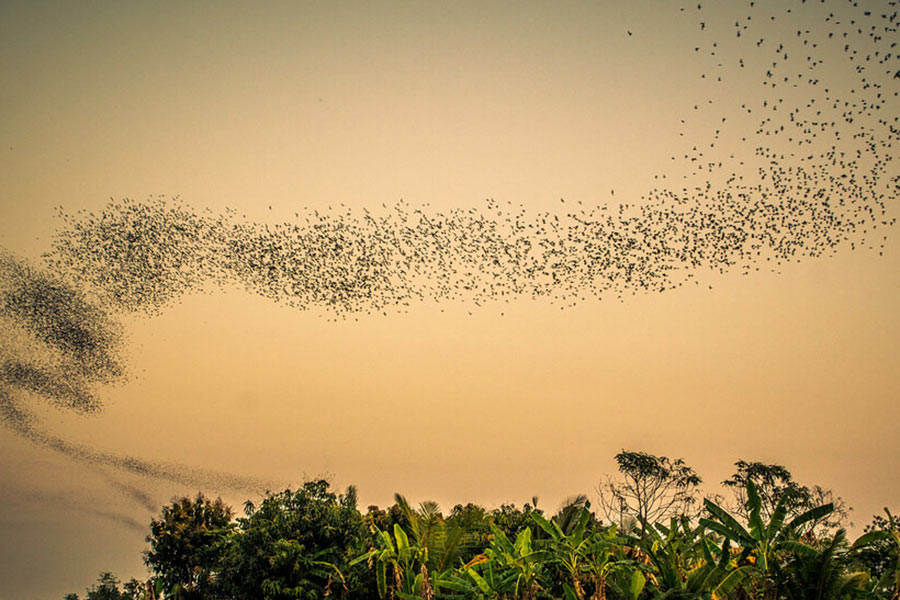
[[743, 150]]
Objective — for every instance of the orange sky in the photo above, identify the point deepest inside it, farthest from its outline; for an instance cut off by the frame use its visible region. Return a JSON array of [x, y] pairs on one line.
[[308, 105]]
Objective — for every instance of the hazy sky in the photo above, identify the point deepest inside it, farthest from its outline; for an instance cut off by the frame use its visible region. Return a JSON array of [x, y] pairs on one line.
[[280, 110]]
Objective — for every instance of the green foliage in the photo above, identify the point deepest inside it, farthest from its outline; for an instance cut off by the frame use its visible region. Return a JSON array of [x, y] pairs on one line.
[[185, 543], [773, 483], [509, 569], [107, 588], [295, 544], [763, 543], [879, 549], [313, 543], [822, 574], [510, 520], [399, 566]]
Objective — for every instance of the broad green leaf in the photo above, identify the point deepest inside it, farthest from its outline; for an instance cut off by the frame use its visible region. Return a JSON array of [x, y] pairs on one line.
[[757, 529], [637, 584], [402, 542], [753, 500], [363, 557], [523, 543], [731, 581], [735, 530], [381, 577], [744, 540], [872, 536], [552, 529], [811, 515], [799, 548], [583, 519], [502, 541], [387, 542], [778, 517], [479, 581]]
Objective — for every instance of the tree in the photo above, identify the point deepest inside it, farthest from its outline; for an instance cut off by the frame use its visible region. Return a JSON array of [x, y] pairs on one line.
[[653, 488], [774, 483], [295, 544], [107, 588], [511, 520], [185, 542]]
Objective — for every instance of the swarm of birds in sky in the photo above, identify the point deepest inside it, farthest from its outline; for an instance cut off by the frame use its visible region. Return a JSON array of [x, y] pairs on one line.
[[803, 168], [813, 174]]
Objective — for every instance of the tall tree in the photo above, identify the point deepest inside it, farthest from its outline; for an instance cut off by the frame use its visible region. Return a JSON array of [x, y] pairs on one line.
[[652, 489], [185, 541], [295, 544], [775, 483]]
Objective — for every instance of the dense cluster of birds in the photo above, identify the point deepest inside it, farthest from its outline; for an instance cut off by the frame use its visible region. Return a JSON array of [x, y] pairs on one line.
[[58, 345], [813, 174], [803, 168]]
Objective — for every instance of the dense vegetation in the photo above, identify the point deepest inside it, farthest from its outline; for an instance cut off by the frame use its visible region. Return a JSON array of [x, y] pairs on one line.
[[657, 538]]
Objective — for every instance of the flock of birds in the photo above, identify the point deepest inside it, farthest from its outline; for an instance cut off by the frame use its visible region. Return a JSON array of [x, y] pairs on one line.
[[58, 346], [802, 170], [814, 175]]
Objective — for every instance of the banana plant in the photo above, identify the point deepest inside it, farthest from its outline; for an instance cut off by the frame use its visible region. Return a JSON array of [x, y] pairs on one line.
[[569, 550], [409, 577], [508, 568], [592, 558], [761, 544], [823, 573], [606, 559], [685, 564]]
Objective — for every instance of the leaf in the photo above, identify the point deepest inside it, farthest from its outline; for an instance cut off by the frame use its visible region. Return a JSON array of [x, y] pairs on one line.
[[478, 560], [479, 581], [402, 542], [363, 557], [868, 538], [381, 577], [811, 515], [731, 581], [583, 520], [637, 584], [734, 529], [725, 558], [705, 546], [744, 540], [753, 500], [757, 529], [523, 543], [799, 548], [387, 542], [778, 516], [552, 529], [501, 540]]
